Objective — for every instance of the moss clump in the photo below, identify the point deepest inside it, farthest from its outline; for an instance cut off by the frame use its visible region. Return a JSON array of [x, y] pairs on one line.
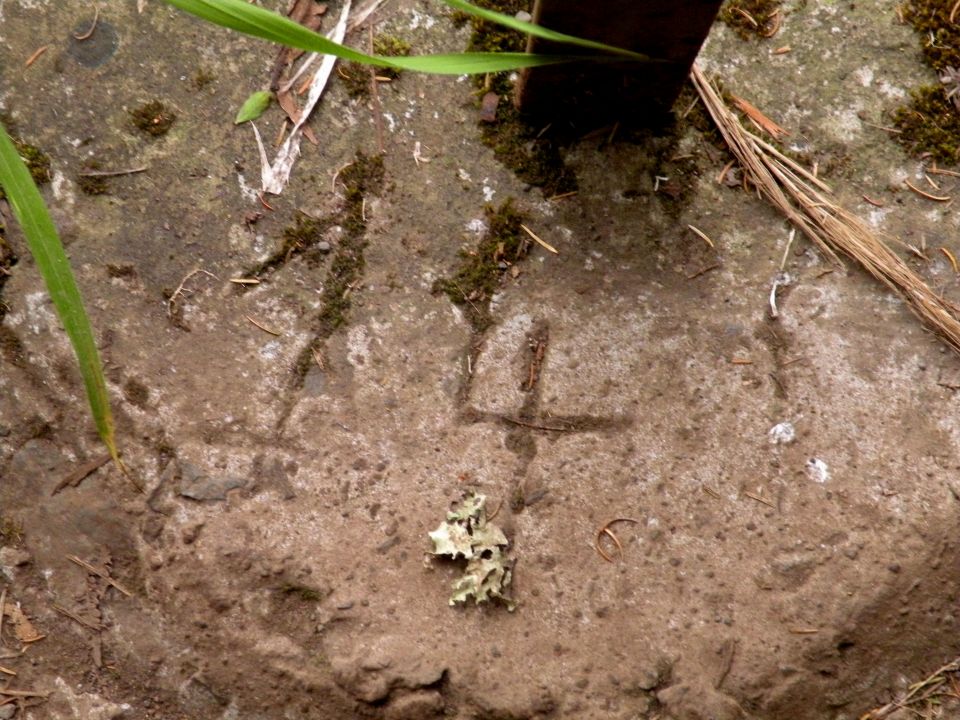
[[201, 78], [534, 157], [478, 277], [92, 184], [390, 46], [940, 38], [11, 531], [154, 118], [490, 37], [356, 77], [751, 18], [930, 124], [37, 161], [363, 176]]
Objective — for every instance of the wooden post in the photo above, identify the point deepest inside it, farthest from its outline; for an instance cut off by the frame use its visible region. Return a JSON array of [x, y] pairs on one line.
[[594, 94]]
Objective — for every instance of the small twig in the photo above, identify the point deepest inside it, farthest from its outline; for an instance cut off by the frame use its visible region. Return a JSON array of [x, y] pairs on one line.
[[93, 26], [563, 195], [3, 601], [704, 271], [99, 573], [883, 127], [953, 11], [33, 58], [786, 250], [7, 671], [111, 173], [78, 475], [875, 203], [96, 627], [495, 512], [928, 196], [937, 171], [758, 498], [542, 242], [180, 288], [777, 18], [262, 327], [701, 234], [10, 692], [605, 530], [746, 15], [245, 281], [804, 631]]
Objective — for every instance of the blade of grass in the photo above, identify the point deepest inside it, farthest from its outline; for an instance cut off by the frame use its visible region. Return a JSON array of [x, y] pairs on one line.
[[259, 22], [545, 33], [44, 243]]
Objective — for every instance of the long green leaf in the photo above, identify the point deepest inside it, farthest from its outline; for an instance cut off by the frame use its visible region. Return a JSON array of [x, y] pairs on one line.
[[545, 33], [44, 243], [259, 22]]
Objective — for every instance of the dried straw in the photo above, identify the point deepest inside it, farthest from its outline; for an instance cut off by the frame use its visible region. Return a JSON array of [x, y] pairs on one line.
[[807, 202]]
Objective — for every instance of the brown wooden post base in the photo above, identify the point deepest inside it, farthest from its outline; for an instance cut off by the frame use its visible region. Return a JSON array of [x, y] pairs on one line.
[[594, 94]]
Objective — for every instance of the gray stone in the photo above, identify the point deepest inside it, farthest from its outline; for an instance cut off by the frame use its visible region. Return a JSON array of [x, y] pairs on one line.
[[197, 485]]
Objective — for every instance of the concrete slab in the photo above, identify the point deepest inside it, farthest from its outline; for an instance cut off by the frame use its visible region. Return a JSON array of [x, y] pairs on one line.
[[793, 480]]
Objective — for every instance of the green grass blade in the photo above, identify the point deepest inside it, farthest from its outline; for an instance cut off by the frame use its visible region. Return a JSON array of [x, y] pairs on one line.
[[259, 22], [545, 33], [44, 243]]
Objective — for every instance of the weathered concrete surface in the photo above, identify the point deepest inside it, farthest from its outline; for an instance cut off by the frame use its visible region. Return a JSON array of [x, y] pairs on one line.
[[807, 578]]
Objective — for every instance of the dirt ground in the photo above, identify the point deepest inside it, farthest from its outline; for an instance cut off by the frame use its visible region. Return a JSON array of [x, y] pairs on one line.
[[792, 481]]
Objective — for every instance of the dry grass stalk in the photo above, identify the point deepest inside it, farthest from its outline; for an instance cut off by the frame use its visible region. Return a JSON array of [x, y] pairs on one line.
[[808, 203], [925, 691]]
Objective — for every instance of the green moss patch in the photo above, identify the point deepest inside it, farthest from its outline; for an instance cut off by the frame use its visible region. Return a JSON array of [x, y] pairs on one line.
[[474, 283], [530, 153], [356, 77], [931, 122]]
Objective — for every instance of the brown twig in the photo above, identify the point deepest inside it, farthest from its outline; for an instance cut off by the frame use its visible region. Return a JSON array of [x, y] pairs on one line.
[[78, 475], [703, 271], [605, 530], [10, 692], [263, 327], [928, 196], [37, 53], [99, 573], [93, 26], [96, 627], [111, 173]]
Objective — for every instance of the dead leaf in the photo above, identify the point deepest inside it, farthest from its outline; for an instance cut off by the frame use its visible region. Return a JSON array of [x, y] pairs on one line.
[[23, 629]]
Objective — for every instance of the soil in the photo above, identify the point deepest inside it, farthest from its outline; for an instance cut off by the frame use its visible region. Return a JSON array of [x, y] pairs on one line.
[[790, 482]]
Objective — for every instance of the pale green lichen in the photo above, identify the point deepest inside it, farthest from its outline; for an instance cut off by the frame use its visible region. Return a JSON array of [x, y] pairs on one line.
[[467, 533]]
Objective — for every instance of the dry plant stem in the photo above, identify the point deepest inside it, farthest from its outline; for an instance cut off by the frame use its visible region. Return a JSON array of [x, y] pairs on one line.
[[917, 692], [808, 204]]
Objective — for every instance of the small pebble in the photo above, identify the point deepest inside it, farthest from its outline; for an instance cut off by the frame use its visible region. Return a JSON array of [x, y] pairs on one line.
[[324, 247]]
